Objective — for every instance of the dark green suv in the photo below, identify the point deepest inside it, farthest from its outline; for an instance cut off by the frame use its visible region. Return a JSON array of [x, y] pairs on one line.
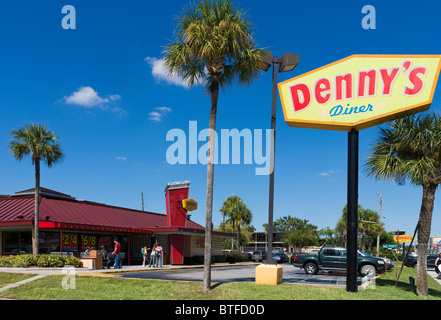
[[334, 259]]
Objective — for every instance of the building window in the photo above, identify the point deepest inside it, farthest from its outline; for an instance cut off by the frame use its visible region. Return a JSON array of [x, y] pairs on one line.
[[106, 241], [49, 242], [17, 242], [26, 241], [70, 242]]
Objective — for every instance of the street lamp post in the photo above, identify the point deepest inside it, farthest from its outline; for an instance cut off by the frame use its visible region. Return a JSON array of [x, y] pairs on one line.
[[379, 219], [287, 62]]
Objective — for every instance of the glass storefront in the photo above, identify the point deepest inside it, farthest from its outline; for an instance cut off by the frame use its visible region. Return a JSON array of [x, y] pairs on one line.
[[49, 242], [80, 242], [20, 242], [17, 242]]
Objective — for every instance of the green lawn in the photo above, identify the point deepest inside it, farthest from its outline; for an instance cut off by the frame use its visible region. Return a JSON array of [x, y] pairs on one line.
[[97, 288], [9, 278]]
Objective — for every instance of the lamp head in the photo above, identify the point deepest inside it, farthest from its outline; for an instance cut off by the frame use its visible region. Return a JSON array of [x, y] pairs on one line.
[[267, 60], [288, 62]]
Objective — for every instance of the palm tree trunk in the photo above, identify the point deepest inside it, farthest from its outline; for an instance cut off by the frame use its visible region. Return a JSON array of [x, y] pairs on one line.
[[232, 240], [238, 237], [425, 221], [363, 241], [214, 90], [37, 208]]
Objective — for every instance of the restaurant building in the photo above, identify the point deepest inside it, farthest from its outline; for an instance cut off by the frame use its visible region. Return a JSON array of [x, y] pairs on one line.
[[71, 226]]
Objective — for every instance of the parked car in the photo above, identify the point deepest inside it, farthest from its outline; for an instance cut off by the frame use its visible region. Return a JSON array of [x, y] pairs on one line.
[[249, 256], [260, 255], [412, 260], [389, 262], [280, 257], [334, 259]]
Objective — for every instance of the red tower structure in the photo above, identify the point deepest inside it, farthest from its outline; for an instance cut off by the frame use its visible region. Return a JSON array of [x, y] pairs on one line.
[[175, 192]]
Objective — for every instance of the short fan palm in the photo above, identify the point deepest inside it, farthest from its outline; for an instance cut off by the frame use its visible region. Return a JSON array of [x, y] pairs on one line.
[[410, 149], [41, 144]]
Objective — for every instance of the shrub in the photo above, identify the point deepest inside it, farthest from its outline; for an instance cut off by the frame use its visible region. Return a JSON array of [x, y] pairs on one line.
[[41, 260], [214, 259], [24, 261], [235, 257], [218, 259], [6, 262], [51, 261], [73, 261]]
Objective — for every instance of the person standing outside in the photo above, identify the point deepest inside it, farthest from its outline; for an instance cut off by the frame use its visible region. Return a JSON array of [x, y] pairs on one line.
[[158, 255], [438, 266], [144, 255], [117, 253], [153, 256], [106, 258]]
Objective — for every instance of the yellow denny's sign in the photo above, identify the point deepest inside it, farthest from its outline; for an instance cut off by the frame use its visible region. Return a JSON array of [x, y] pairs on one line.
[[189, 204], [360, 91], [403, 238]]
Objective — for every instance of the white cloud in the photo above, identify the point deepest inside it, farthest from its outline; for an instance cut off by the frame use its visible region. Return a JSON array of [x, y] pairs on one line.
[[159, 113], [328, 173], [121, 158], [161, 74], [86, 97], [114, 97], [155, 116]]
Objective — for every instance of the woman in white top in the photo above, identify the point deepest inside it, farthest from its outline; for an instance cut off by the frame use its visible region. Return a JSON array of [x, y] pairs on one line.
[[153, 256]]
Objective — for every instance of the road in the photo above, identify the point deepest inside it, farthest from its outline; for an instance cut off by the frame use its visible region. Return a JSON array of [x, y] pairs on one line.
[[241, 274]]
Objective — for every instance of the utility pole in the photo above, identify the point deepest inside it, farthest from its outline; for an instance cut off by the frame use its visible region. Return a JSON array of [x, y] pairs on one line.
[[379, 218], [142, 200]]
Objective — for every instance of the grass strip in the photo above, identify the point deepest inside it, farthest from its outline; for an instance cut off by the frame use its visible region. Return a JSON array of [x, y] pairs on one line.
[[105, 288]]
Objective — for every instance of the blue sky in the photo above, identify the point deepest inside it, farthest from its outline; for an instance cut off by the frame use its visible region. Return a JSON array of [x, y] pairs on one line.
[[100, 88]]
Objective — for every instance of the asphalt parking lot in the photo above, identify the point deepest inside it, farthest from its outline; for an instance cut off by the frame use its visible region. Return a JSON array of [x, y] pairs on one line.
[[240, 274]]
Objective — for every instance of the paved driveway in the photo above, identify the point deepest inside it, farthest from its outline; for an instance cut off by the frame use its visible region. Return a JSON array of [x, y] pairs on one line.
[[240, 274]]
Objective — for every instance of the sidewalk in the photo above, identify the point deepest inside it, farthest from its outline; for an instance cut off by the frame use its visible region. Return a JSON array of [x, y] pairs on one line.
[[434, 275], [51, 271]]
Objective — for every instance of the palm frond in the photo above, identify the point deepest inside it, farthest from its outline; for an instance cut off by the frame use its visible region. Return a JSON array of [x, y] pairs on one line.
[[214, 44], [407, 149], [37, 141]]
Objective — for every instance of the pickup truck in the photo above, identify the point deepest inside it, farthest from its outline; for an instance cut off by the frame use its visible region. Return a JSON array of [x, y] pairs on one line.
[[334, 259]]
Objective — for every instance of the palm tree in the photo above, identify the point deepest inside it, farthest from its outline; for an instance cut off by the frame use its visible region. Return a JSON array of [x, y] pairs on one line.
[[341, 227], [410, 149], [243, 217], [41, 144], [238, 215], [327, 233], [214, 46], [366, 220]]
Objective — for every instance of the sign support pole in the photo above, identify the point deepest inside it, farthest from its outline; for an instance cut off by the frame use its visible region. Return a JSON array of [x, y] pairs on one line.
[[272, 156], [352, 214]]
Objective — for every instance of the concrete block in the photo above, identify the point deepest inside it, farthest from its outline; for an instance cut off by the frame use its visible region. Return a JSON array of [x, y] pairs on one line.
[[271, 274]]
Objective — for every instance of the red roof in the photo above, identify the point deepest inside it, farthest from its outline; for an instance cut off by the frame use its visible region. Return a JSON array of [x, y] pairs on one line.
[[18, 209]]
